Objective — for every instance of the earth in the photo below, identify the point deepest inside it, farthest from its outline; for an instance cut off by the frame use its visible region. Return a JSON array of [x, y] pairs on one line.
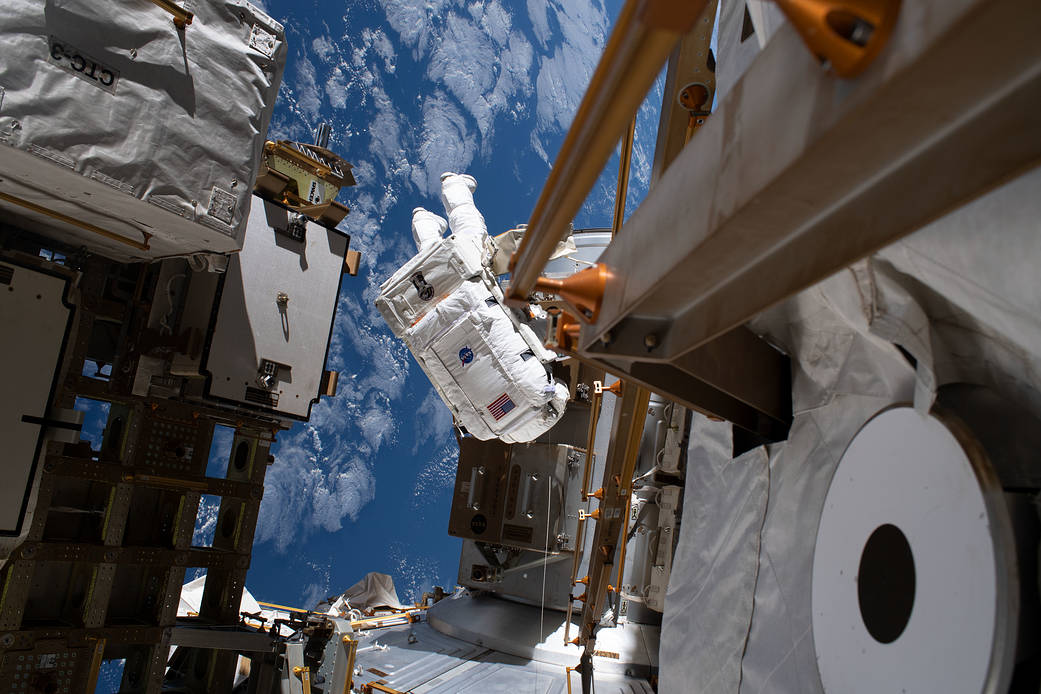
[[411, 88]]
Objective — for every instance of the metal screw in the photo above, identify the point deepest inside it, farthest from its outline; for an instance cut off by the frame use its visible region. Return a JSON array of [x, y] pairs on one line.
[[475, 506], [607, 337], [650, 341], [133, 52], [480, 469], [282, 299], [534, 477], [530, 514]]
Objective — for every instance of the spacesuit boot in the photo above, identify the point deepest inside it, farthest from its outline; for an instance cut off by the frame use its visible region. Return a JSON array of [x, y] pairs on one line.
[[457, 195], [427, 228]]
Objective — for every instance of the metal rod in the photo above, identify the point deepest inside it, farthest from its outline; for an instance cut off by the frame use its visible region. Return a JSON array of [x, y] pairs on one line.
[[181, 16], [643, 38], [622, 189], [594, 419], [626, 432], [86, 226], [352, 650]]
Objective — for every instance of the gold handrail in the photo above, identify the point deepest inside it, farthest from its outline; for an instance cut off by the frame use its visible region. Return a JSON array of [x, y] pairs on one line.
[[622, 187], [86, 226], [639, 45]]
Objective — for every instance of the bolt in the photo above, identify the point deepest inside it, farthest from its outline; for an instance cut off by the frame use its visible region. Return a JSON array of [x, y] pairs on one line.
[[282, 299], [534, 477], [650, 341], [530, 514], [607, 337], [480, 469], [475, 506], [133, 52]]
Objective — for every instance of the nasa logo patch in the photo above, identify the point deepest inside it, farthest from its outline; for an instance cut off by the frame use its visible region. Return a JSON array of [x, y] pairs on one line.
[[466, 355]]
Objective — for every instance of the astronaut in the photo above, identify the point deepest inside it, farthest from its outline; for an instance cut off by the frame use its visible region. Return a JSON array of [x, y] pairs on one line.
[[490, 369]]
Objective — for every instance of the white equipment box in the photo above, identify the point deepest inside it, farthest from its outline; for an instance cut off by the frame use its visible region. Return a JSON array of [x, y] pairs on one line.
[[125, 134], [275, 314]]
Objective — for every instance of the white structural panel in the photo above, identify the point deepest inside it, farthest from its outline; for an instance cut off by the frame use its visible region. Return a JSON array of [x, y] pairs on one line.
[[277, 305], [35, 318], [908, 470]]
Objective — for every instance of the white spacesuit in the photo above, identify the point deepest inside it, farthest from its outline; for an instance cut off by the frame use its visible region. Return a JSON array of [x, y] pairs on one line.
[[491, 370]]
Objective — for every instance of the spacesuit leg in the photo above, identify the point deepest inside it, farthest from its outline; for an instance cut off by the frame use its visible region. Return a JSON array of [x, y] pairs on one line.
[[457, 194], [427, 228]]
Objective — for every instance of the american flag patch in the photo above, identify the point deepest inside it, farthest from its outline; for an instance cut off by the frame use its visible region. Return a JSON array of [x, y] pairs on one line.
[[501, 406]]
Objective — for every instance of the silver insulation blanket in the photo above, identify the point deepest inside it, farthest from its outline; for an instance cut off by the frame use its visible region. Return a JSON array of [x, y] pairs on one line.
[[960, 296], [171, 120], [724, 504]]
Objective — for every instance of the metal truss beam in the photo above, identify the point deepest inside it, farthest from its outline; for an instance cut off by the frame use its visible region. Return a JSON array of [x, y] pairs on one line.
[[798, 173]]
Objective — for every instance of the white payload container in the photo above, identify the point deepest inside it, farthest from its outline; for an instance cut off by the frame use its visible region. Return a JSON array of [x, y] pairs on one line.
[[125, 134], [491, 370]]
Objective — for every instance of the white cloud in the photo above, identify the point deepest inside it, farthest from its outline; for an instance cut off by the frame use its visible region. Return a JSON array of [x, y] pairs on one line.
[[206, 521], [494, 20], [446, 143], [413, 574], [436, 476], [536, 144], [307, 489], [385, 49], [316, 591], [336, 88], [464, 61], [412, 19], [436, 422], [323, 47], [386, 142], [539, 20], [563, 76], [308, 98]]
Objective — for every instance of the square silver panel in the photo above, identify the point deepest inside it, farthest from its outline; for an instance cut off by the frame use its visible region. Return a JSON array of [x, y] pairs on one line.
[[276, 308]]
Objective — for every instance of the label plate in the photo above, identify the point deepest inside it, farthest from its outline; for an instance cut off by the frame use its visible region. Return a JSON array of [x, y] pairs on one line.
[[71, 59]]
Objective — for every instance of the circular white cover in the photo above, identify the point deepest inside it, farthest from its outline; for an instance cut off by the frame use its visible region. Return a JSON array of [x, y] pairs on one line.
[[908, 470]]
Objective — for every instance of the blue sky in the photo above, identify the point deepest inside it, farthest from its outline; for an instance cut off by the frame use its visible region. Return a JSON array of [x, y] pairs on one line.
[[411, 89]]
